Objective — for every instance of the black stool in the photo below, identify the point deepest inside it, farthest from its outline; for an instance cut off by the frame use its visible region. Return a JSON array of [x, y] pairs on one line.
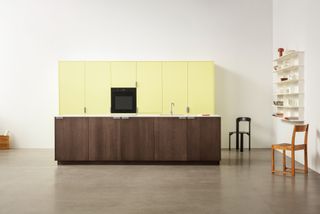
[[237, 132]]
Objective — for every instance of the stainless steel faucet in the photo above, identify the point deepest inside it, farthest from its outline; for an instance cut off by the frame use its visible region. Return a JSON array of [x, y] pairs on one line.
[[171, 108]]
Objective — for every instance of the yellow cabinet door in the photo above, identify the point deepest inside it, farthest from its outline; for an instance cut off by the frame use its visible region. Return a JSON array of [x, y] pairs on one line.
[[149, 87], [97, 96], [201, 88], [71, 88], [174, 77], [123, 74]]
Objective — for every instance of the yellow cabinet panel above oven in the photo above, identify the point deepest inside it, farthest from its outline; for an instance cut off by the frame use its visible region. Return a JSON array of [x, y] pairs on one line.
[[123, 74]]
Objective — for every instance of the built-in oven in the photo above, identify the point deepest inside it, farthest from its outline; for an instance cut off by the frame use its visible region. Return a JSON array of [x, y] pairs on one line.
[[123, 100]]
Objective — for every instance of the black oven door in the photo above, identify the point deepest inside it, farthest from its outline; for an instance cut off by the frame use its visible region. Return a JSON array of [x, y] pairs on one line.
[[123, 100]]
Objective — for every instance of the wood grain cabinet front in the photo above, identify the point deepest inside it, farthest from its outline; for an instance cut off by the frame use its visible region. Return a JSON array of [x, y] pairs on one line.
[[71, 139], [137, 139], [171, 139], [104, 139], [203, 139]]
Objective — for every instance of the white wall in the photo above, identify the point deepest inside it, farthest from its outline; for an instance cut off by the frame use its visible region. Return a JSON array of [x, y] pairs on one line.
[[35, 34], [296, 26]]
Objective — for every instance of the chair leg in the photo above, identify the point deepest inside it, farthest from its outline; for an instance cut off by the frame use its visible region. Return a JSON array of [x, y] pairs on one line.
[[229, 141], [237, 141], [284, 160], [241, 143], [249, 141], [306, 159], [293, 169], [272, 161]]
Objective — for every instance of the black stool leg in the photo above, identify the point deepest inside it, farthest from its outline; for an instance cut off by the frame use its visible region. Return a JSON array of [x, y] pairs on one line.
[[249, 142], [241, 143], [229, 141], [237, 141]]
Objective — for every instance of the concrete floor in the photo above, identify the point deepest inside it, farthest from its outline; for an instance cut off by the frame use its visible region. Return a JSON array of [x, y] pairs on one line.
[[31, 182]]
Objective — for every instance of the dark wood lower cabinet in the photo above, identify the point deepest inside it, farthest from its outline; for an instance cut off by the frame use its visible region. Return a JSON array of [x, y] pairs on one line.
[[104, 139], [170, 139], [71, 139], [137, 139], [90, 139], [203, 139]]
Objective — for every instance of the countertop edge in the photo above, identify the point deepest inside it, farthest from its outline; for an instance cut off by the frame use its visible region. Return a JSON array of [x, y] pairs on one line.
[[130, 115]]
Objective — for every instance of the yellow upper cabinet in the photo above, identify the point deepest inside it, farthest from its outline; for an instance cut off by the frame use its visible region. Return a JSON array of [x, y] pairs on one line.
[[201, 87], [174, 78], [97, 91], [123, 74], [71, 88], [149, 87]]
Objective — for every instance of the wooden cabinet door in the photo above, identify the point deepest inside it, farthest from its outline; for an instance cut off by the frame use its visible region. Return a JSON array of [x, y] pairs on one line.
[[201, 88], [123, 74], [204, 139], [97, 90], [171, 139], [174, 77], [137, 139], [71, 88], [71, 139], [149, 87], [104, 139]]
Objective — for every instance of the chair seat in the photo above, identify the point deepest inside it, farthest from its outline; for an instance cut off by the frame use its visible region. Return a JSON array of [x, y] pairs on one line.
[[287, 146]]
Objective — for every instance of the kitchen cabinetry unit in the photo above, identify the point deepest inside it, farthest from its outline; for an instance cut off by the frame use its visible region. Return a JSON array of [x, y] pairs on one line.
[[104, 139], [200, 88], [171, 139], [174, 77], [203, 138], [90, 139], [177, 87], [149, 87], [71, 87], [71, 139], [97, 90], [137, 139], [123, 74]]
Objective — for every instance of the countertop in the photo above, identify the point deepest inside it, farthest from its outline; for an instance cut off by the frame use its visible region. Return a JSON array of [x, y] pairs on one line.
[[139, 115]]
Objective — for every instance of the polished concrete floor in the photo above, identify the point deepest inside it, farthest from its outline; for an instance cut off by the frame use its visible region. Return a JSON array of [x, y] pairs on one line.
[[31, 182]]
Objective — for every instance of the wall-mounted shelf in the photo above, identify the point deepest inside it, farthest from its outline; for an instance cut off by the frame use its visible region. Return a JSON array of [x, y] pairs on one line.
[[290, 69], [288, 106], [288, 94], [289, 81], [287, 68], [292, 54]]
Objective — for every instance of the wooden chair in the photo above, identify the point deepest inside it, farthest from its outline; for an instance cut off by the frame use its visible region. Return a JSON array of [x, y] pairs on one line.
[[293, 147]]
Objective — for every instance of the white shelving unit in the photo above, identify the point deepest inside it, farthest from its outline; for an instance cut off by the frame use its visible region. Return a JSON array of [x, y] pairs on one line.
[[288, 87]]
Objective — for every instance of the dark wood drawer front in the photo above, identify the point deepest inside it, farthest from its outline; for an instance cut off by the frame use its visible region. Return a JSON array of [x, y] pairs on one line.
[[137, 139], [104, 139], [204, 139], [71, 139], [171, 139]]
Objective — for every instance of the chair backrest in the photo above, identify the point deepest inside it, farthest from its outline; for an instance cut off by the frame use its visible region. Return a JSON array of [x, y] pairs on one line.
[[300, 128], [243, 119]]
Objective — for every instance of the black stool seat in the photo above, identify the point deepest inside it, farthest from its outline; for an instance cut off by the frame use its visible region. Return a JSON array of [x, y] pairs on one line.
[[241, 133]]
